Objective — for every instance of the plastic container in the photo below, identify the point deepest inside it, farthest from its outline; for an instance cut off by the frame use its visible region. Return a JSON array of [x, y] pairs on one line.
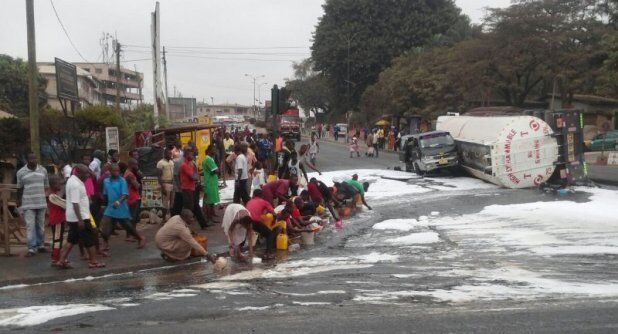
[[282, 241], [202, 240], [339, 224], [319, 210], [345, 212], [271, 178], [267, 219], [308, 238]]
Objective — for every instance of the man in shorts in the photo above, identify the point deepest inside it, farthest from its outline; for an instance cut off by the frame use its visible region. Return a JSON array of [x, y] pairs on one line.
[[78, 219]]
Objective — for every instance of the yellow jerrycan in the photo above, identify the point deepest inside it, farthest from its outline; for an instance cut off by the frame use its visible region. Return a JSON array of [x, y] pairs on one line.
[[282, 241]]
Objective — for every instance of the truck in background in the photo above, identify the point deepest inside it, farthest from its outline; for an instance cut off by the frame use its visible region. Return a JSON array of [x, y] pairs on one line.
[[288, 123], [520, 148]]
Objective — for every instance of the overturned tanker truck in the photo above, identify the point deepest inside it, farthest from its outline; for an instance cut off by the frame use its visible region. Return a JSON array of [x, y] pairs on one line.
[[520, 151]]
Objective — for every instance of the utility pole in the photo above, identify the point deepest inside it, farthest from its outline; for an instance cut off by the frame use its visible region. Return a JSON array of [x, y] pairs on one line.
[[254, 80], [167, 103], [33, 87], [117, 50], [139, 84]]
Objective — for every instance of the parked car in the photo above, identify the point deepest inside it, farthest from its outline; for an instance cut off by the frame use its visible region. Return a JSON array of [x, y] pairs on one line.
[[343, 129], [607, 141], [429, 151]]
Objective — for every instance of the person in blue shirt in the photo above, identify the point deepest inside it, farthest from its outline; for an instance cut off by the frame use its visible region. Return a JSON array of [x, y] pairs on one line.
[[263, 148], [115, 194]]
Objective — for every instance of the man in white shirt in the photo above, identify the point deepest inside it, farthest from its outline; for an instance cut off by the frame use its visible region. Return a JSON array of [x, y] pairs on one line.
[[242, 175], [95, 164], [78, 219]]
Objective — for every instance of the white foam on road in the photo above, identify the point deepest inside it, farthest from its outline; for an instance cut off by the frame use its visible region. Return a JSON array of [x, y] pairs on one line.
[[313, 266], [544, 228], [415, 238], [392, 183], [36, 315], [221, 286], [258, 308], [516, 283], [397, 224], [309, 303]]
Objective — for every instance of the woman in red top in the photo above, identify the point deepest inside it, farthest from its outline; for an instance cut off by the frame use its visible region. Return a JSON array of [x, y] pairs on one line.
[[134, 199], [55, 208]]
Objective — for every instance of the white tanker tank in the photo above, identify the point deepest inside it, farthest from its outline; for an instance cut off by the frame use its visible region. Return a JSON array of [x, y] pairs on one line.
[[510, 151]]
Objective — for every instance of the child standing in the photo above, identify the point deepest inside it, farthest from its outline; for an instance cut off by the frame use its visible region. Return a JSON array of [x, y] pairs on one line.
[[259, 178], [55, 207]]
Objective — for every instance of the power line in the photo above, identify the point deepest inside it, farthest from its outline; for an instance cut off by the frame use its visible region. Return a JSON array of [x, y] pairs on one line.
[[135, 60], [66, 32], [222, 48], [243, 59], [227, 53]]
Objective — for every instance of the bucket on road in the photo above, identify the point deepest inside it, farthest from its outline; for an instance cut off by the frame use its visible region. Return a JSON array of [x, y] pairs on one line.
[[308, 238]]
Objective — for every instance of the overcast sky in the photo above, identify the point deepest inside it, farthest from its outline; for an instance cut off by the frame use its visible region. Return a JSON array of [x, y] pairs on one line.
[[212, 43]]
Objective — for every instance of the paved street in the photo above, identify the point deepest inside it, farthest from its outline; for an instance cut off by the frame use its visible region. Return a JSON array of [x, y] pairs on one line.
[[439, 254]]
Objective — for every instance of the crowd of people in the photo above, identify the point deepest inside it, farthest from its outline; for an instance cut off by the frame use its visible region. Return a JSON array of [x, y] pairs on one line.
[[88, 202], [376, 139]]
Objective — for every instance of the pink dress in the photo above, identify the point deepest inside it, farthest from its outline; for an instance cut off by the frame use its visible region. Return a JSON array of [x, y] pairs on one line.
[[354, 144]]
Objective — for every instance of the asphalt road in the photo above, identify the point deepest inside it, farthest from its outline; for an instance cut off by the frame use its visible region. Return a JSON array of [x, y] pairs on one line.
[[357, 280]]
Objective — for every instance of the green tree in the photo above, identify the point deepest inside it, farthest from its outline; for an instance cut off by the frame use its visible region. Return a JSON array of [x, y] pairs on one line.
[[310, 89], [14, 86], [139, 119], [519, 55], [66, 136], [356, 39], [14, 137]]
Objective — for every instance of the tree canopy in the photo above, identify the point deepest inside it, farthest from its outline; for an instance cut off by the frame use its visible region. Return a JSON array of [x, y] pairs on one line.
[[310, 89], [356, 39], [522, 53], [14, 86]]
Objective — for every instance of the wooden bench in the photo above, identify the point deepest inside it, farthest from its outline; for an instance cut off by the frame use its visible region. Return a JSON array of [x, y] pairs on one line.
[[11, 222]]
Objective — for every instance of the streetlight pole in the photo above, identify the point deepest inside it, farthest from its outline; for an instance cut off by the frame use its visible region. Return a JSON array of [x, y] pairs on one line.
[[260, 92], [254, 78]]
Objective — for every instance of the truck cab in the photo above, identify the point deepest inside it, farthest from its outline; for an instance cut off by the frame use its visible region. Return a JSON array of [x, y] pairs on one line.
[[429, 151], [288, 123]]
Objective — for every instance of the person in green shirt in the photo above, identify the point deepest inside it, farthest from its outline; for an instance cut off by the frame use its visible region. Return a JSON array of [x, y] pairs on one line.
[[361, 187], [211, 184]]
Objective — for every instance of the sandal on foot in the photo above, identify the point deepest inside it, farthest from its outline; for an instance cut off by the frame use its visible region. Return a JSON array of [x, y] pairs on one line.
[[64, 265], [95, 265]]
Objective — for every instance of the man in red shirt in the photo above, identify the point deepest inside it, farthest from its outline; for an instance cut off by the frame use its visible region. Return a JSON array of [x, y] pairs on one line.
[[188, 179], [258, 206], [278, 189], [188, 186], [134, 199], [320, 194]]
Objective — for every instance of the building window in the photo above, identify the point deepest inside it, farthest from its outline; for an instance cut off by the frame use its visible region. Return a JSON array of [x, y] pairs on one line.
[[98, 70]]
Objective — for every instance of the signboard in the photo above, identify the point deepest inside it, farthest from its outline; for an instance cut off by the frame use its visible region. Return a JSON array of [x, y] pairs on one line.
[[612, 159], [66, 80], [112, 139], [151, 193]]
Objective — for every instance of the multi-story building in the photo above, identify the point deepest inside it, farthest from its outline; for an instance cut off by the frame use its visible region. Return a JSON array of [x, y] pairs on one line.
[[131, 83], [181, 107], [224, 110], [87, 88]]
